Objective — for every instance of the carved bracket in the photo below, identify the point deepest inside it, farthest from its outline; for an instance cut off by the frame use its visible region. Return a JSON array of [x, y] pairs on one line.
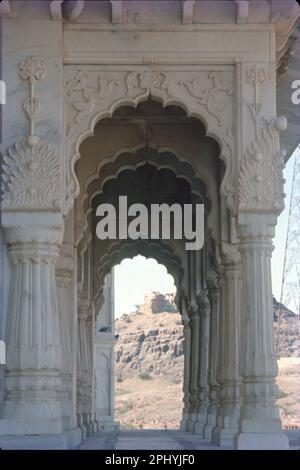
[[32, 168], [260, 181]]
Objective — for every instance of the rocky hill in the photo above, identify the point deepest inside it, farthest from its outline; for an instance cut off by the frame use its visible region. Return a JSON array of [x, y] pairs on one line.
[[151, 341], [149, 365], [289, 330], [149, 344]]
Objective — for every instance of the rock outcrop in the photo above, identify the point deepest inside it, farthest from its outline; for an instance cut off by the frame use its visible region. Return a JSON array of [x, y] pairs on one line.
[[149, 342], [149, 345]]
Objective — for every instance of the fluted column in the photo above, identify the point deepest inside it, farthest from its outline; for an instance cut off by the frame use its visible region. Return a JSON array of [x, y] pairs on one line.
[[187, 361], [194, 365], [33, 382], [90, 379], [64, 273], [202, 404], [260, 425], [229, 376], [82, 368], [213, 395]]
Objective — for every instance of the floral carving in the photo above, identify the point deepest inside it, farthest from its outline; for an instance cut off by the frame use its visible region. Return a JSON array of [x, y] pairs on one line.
[[90, 96], [32, 69], [216, 98], [32, 168], [147, 80], [255, 76], [31, 176], [260, 182]]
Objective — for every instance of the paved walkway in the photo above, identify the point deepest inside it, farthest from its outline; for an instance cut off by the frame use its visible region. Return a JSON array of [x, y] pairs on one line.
[[146, 440], [160, 440]]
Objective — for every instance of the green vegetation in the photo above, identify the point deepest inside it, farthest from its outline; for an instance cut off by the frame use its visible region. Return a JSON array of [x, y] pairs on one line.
[[127, 405], [145, 375]]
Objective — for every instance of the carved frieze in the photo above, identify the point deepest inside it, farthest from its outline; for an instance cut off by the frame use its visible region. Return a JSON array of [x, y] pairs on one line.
[[216, 98], [96, 92], [148, 80], [89, 96]]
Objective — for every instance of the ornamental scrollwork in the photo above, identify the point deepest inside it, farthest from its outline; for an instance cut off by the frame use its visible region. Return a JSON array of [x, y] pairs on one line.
[[88, 96], [148, 80], [260, 181], [215, 98]]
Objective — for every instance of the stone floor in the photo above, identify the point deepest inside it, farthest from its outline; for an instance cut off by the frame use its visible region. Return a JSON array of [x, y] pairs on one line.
[[146, 440], [159, 440]]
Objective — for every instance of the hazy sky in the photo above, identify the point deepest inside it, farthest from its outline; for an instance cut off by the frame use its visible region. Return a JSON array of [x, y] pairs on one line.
[[133, 277]]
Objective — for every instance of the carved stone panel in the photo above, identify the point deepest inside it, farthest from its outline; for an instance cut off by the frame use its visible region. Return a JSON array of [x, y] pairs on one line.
[[96, 92]]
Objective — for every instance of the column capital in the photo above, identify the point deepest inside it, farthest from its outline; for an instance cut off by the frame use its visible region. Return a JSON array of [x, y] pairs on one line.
[[193, 311], [231, 256], [65, 266], [32, 233], [212, 279], [202, 300], [256, 226], [83, 307]]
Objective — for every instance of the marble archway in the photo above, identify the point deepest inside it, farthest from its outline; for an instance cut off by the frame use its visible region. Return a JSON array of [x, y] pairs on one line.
[[222, 74]]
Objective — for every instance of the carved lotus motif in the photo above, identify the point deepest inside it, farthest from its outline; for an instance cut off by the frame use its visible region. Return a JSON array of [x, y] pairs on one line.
[[261, 182], [32, 176]]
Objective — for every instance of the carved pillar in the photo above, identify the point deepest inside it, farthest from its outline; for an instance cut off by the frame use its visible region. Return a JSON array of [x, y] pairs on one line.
[[213, 295], [260, 200], [260, 425], [229, 409], [194, 364], [204, 310], [33, 381], [82, 368], [90, 379], [104, 358], [187, 361], [64, 273]]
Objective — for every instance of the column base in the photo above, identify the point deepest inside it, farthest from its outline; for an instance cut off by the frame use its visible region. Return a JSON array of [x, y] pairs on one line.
[[95, 425], [73, 438], [190, 423], [208, 430], [184, 423], [225, 437], [199, 429], [256, 441], [210, 425], [107, 424]]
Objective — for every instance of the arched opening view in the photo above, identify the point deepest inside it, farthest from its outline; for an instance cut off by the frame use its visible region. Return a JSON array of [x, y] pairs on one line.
[[152, 155], [149, 347]]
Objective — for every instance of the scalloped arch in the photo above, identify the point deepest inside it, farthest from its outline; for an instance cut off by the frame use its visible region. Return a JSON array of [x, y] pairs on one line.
[[76, 136], [123, 249], [182, 168]]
